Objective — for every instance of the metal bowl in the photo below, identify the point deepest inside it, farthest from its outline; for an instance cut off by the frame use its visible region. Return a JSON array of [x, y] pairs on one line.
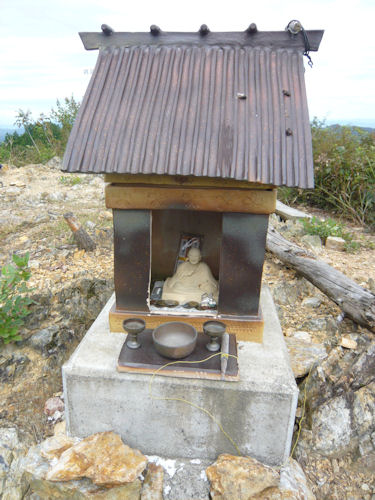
[[175, 339]]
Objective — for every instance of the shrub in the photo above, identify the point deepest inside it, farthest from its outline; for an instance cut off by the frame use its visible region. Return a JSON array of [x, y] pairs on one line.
[[70, 180], [329, 227], [344, 163], [41, 139], [14, 298]]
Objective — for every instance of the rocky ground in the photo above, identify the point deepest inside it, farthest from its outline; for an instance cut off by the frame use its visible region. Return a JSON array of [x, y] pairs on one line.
[[336, 446]]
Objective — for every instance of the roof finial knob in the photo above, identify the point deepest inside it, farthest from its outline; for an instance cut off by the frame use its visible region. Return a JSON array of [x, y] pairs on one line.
[[107, 30], [204, 30], [155, 30], [252, 28]]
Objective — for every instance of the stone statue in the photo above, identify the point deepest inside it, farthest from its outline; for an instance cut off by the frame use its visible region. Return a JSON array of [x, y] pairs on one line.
[[191, 280]]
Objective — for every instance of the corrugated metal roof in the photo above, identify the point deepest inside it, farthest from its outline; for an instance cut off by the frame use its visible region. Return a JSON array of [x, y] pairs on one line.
[[177, 110]]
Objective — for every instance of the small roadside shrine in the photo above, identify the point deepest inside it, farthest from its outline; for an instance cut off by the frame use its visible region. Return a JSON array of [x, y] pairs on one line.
[[194, 132]]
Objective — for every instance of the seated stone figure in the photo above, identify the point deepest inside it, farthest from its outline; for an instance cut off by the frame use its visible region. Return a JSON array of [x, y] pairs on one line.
[[191, 280]]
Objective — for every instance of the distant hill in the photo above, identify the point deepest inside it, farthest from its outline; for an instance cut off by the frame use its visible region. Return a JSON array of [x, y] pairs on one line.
[[369, 130]]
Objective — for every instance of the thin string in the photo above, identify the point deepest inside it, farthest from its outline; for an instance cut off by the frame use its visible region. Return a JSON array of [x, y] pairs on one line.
[[204, 410], [213, 418], [303, 413]]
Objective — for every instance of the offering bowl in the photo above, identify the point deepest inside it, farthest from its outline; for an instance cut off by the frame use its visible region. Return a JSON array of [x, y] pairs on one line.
[[175, 339]]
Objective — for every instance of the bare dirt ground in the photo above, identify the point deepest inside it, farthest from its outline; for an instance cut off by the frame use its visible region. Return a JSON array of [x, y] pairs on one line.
[[33, 200]]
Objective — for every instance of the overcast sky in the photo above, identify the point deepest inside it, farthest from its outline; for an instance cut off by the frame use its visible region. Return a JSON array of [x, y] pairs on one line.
[[42, 57]]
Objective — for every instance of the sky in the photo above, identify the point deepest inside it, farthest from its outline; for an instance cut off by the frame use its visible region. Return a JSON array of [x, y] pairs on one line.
[[42, 57]]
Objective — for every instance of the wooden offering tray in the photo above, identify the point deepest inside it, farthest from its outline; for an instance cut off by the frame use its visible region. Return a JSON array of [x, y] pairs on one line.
[[146, 360]]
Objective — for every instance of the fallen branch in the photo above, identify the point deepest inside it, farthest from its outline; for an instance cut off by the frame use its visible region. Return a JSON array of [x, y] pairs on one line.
[[82, 239], [356, 302]]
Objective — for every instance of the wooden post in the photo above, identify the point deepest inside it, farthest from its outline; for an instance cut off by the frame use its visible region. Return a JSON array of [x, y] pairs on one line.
[[82, 239]]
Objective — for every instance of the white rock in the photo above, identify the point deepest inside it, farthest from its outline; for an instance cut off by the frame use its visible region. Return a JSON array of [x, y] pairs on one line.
[[348, 342], [312, 241], [335, 243], [301, 335], [313, 302], [331, 426]]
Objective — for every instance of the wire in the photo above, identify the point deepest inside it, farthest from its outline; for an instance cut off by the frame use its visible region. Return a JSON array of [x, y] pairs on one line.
[[182, 400]]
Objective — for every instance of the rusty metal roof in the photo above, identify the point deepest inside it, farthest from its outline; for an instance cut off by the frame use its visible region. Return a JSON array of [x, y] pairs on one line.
[[229, 110]]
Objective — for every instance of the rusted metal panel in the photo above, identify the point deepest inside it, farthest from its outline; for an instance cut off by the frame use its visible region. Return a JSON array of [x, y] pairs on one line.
[[180, 110], [132, 247], [241, 263]]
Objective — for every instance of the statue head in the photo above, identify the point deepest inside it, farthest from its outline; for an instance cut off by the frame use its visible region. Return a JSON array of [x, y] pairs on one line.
[[194, 255]]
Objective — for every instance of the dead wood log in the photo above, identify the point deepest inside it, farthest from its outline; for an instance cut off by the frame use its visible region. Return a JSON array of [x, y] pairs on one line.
[[82, 239], [355, 301]]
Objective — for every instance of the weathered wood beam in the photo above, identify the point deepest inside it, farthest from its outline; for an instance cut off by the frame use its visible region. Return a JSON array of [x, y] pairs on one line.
[[188, 198], [356, 302], [271, 39]]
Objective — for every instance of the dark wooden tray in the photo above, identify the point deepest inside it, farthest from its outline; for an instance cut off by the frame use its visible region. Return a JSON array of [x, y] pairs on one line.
[[147, 360]]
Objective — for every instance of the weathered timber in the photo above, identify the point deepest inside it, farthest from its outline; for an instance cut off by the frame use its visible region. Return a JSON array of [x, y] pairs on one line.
[[188, 198], [289, 213], [355, 301], [82, 239], [273, 39]]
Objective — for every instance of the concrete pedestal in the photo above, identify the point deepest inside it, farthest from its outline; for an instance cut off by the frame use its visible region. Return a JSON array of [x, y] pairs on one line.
[[257, 412]]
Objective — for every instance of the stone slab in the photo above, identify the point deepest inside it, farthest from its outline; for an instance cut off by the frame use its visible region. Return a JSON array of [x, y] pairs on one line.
[[257, 412]]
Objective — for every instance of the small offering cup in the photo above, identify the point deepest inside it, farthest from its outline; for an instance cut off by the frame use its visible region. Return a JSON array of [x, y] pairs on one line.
[[133, 326], [215, 330]]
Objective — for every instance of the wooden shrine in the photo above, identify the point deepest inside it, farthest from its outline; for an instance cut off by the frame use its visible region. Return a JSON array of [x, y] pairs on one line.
[[194, 132]]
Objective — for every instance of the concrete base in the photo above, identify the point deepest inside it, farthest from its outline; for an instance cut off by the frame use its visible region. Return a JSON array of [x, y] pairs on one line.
[[257, 412]]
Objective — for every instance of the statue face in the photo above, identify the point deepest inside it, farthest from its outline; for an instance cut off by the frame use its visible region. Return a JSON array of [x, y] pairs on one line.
[[194, 255]]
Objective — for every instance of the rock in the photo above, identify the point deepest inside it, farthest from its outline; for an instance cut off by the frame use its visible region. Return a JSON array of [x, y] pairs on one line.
[[332, 427], [12, 365], [239, 478], [293, 485], [305, 287], [39, 309], [13, 191], [90, 225], [35, 468], [44, 339], [184, 479], [364, 409], [60, 428], [52, 405], [102, 457], [56, 196], [313, 302], [54, 162], [315, 324], [291, 228], [303, 355], [301, 335], [347, 342], [371, 285], [285, 294], [12, 486], [54, 446], [332, 326], [340, 404], [335, 243], [152, 488], [107, 215], [312, 241]]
